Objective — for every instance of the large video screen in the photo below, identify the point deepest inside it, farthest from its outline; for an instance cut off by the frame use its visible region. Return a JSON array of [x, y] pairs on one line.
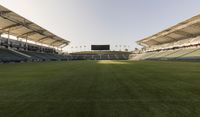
[[100, 47]]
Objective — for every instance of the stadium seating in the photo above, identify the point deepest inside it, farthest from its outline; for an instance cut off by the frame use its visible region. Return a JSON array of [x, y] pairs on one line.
[[9, 56], [100, 55], [192, 53], [47, 56], [17, 51]]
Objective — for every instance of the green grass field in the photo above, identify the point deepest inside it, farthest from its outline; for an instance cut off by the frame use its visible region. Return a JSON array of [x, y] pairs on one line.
[[100, 89]]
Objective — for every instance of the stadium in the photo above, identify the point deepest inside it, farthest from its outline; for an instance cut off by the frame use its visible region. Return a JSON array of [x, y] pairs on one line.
[[38, 78], [180, 42]]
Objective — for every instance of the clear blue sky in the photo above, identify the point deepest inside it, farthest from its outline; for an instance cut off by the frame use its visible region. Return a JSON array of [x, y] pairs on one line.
[[115, 22]]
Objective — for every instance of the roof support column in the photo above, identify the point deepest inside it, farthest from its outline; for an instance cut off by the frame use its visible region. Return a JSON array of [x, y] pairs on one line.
[[26, 45], [57, 49], [8, 40], [0, 41]]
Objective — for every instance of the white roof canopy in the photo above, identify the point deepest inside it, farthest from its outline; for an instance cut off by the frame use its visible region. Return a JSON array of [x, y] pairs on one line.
[[16, 25], [184, 30]]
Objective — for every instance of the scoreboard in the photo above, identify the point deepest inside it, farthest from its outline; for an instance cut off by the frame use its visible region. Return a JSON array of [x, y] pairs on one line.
[[100, 47]]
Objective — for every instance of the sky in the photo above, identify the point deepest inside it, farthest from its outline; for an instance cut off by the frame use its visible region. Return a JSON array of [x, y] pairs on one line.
[[114, 22]]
